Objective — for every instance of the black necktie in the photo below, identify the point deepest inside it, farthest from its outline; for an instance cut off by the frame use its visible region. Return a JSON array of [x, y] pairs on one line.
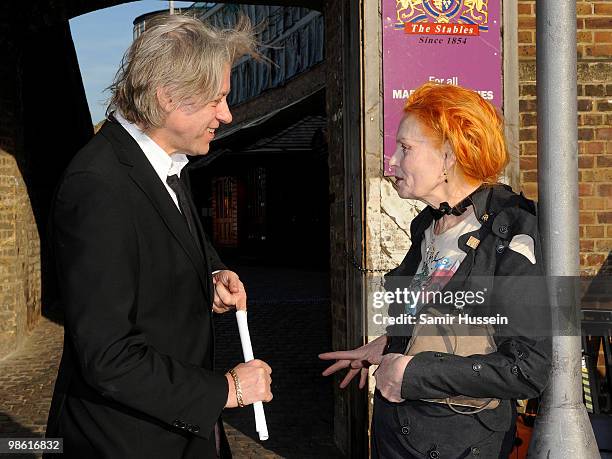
[[174, 182]]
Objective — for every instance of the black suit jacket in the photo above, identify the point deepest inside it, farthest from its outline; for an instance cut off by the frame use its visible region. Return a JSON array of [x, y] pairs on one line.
[[136, 378]]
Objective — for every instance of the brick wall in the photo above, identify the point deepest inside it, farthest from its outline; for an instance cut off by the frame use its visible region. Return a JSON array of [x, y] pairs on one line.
[[20, 290], [594, 48], [43, 122], [19, 243]]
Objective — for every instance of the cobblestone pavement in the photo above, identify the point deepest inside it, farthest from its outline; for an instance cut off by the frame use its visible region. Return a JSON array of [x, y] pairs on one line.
[[27, 377], [288, 330]]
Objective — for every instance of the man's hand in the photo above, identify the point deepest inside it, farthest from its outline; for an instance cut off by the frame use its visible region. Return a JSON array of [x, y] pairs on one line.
[[359, 360], [255, 381], [390, 374], [229, 292]]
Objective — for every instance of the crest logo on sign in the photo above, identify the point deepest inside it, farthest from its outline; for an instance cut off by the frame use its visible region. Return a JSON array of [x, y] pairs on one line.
[[473, 13]]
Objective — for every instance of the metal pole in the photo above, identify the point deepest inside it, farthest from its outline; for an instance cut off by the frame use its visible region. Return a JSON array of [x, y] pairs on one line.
[[171, 6], [562, 428]]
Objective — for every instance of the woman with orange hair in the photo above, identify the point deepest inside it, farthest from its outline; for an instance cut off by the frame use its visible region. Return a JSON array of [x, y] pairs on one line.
[[444, 391]]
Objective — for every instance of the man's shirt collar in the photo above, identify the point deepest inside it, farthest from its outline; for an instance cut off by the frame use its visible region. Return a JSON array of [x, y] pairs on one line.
[[163, 163]]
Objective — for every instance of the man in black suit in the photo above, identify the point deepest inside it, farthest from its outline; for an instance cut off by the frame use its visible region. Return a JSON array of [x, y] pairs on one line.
[[138, 276]]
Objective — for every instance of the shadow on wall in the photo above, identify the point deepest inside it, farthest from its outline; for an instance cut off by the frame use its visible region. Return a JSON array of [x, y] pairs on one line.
[[44, 122]]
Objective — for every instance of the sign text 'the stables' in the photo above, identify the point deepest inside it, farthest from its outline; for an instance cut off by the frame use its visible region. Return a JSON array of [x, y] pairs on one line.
[[426, 28]]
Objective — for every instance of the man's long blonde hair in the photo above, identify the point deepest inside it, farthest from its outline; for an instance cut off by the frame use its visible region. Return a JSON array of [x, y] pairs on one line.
[[182, 55]]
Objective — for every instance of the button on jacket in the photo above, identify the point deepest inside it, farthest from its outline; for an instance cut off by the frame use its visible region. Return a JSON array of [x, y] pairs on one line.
[[519, 369]]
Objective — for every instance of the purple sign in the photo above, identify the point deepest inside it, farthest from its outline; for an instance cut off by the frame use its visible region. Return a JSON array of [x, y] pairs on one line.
[[444, 41]]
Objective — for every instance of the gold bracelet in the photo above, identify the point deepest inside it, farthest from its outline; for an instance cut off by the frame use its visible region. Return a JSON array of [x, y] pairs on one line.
[[234, 376]]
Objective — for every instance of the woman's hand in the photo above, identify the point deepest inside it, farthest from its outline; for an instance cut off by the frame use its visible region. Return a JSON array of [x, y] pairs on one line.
[[359, 360], [390, 374]]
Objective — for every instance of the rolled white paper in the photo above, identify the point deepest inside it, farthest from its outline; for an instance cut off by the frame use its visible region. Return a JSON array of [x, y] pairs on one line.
[[247, 350]]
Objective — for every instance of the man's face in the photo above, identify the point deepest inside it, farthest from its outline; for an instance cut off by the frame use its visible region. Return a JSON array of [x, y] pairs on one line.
[[191, 127]]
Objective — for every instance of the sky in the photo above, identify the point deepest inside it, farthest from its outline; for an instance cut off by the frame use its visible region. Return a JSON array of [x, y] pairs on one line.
[[100, 39]]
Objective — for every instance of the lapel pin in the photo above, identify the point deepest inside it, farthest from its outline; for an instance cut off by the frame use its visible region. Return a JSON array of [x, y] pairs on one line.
[[472, 242], [485, 217]]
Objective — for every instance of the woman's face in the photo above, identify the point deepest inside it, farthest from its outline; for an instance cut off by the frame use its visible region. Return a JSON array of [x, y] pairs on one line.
[[418, 163]]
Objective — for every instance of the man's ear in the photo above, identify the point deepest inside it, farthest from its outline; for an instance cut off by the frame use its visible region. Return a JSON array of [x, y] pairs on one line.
[[164, 99]]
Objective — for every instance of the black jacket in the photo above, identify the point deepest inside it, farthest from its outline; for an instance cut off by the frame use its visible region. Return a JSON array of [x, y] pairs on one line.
[[519, 369], [136, 378]]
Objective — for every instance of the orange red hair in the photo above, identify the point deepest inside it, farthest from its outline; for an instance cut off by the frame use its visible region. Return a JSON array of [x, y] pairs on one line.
[[471, 125]]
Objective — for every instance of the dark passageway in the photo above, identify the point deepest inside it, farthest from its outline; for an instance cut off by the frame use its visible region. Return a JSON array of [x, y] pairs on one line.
[[289, 321]]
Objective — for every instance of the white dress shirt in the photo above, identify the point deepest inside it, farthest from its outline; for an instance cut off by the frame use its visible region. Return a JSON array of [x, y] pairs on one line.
[[163, 163]]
